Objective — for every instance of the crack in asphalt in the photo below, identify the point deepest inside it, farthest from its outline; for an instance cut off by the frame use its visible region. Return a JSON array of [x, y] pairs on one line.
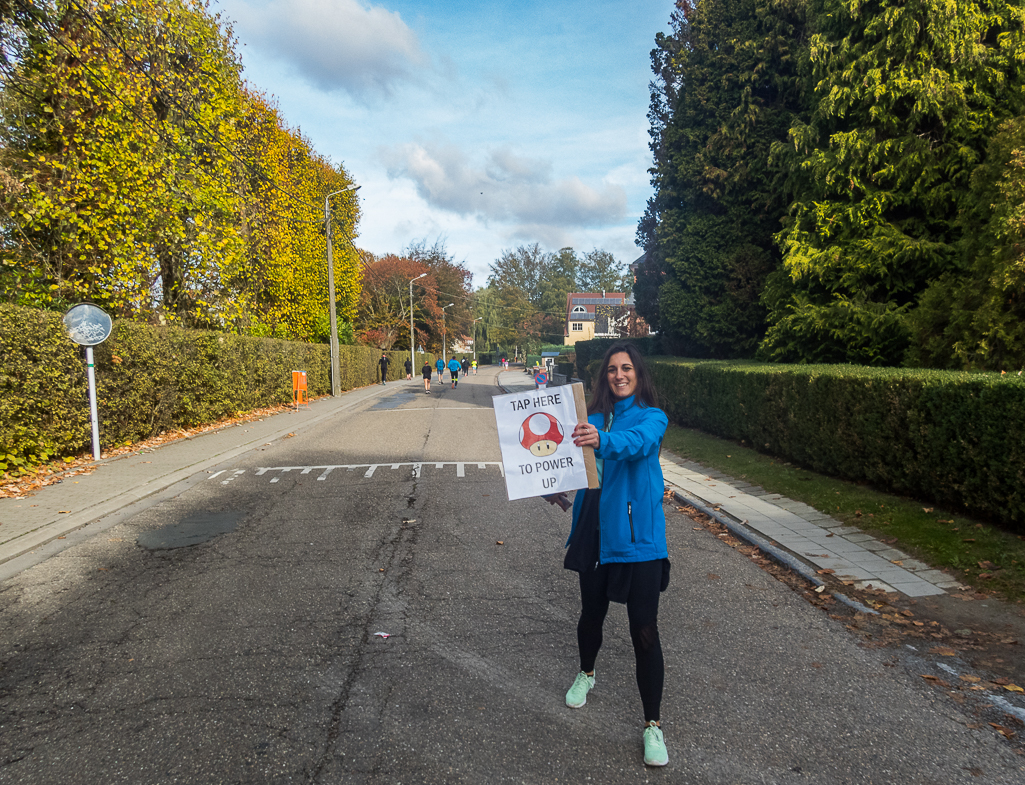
[[396, 552]]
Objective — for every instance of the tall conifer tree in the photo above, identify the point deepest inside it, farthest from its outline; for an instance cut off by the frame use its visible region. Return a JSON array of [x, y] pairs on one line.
[[727, 89], [907, 95]]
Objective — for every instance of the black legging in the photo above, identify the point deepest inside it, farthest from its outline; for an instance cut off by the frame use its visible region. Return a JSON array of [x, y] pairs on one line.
[[642, 612]]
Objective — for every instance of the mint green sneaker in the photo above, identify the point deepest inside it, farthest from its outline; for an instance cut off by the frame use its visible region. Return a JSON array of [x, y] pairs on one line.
[[577, 695], [655, 753]]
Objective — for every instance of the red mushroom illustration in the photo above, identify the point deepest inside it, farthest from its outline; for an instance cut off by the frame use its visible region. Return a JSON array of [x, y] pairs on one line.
[[541, 434]]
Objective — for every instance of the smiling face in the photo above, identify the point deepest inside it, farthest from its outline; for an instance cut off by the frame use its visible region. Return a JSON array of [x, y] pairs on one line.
[[621, 375]]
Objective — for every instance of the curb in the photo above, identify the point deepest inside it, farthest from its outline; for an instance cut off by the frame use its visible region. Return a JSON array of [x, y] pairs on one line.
[[775, 553]]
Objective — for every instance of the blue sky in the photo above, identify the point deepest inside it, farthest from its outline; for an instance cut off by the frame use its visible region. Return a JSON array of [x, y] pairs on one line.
[[484, 124]]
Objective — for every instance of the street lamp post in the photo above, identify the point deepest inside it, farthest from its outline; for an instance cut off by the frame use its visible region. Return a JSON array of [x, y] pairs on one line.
[[336, 382], [444, 335], [412, 344], [475, 337]]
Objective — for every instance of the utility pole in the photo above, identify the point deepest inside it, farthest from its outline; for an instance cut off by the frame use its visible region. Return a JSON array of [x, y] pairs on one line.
[[412, 345], [475, 337], [444, 335]]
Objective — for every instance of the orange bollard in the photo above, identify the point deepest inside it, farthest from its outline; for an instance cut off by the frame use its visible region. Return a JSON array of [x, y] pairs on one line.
[[300, 392]]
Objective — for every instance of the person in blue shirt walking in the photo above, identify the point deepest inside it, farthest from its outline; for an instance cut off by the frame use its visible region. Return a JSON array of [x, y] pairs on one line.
[[618, 539], [454, 368], [440, 365]]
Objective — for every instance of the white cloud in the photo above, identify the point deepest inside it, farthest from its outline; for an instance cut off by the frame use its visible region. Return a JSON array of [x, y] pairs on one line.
[[506, 188], [345, 45]]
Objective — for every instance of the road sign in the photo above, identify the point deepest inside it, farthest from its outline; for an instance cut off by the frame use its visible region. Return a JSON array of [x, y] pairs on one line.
[[89, 325]]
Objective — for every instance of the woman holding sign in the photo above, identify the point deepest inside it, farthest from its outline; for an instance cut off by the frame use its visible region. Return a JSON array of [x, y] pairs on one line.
[[618, 539]]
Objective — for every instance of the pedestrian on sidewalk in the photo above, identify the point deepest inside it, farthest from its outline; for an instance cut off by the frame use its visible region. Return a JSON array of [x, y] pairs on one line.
[[453, 368], [383, 362], [618, 539], [474, 366], [426, 372], [465, 367], [440, 365], [409, 370]]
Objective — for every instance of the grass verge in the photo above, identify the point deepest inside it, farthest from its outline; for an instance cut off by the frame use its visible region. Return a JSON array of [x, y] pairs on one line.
[[977, 553]]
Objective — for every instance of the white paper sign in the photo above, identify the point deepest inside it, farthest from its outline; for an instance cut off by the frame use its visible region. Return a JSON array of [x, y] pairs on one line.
[[534, 432]]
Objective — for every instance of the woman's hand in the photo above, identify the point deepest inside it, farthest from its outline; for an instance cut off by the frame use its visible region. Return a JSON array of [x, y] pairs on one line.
[[586, 435]]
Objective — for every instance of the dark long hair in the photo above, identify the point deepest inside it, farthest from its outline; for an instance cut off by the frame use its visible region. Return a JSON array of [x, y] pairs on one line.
[[602, 399]]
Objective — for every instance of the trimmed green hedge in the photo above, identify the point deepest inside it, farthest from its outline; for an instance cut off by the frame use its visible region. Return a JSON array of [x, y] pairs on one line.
[[954, 438], [149, 379]]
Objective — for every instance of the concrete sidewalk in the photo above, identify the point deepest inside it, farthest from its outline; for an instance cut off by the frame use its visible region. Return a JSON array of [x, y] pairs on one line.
[[808, 539]]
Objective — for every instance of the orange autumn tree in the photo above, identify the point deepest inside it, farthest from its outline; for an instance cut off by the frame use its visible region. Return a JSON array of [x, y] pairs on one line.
[[384, 304]]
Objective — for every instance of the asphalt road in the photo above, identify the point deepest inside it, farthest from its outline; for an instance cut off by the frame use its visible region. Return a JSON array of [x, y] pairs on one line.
[[228, 634]]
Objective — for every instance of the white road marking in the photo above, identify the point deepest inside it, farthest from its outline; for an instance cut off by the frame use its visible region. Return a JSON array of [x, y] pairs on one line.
[[234, 476], [215, 474], [369, 469], [439, 409]]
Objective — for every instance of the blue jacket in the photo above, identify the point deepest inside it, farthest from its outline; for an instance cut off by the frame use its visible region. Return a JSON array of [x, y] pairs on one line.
[[440, 364], [453, 365], [632, 524]]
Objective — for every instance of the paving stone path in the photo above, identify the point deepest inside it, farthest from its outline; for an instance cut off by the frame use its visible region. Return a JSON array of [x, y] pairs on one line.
[[813, 537]]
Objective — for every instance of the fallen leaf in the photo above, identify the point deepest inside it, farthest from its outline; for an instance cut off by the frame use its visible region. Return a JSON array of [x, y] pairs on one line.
[[927, 509], [930, 677], [909, 614], [944, 651], [62, 512], [987, 565], [1013, 688], [1005, 732], [712, 576], [898, 562], [825, 572], [970, 678], [499, 542]]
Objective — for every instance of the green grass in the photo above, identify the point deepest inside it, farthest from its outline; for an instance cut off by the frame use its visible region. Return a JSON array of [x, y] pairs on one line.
[[967, 548]]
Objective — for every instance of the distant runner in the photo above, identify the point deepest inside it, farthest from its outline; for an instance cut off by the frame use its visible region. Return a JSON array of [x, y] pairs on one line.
[[453, 368], [426, 371]]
